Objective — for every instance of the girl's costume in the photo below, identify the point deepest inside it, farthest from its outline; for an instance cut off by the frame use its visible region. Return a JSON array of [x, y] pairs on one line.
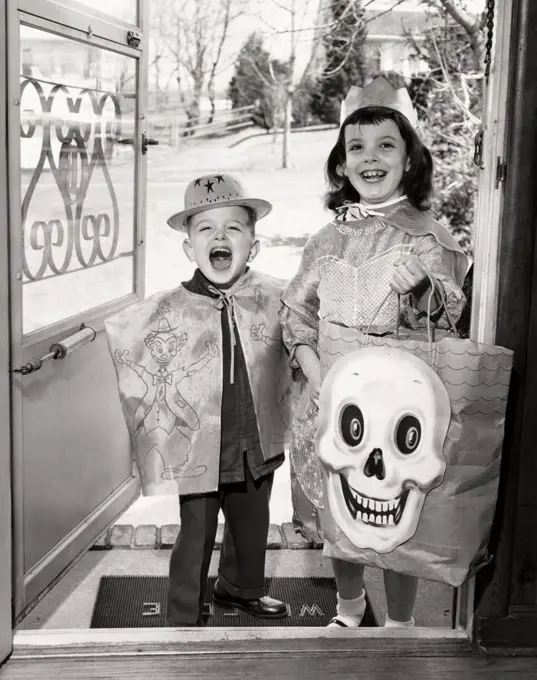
[[343, 278]]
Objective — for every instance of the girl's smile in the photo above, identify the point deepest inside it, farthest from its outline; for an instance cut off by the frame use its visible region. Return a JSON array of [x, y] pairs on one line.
[[376, 160], [373, 175]]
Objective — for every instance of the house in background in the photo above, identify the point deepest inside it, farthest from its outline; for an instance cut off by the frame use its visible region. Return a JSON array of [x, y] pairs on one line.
[[389, 42]]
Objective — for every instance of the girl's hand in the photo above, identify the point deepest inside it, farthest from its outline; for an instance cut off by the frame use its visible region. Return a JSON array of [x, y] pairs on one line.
[[411, 277], [409, 274], [311, 367], [314, 387]]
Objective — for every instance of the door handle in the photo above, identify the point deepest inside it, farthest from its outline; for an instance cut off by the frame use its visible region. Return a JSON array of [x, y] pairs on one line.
[[478, 150], [59, 350], [146, 141]]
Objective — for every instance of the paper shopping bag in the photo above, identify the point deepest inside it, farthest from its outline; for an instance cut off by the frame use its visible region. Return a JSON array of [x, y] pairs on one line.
[[410, 437]]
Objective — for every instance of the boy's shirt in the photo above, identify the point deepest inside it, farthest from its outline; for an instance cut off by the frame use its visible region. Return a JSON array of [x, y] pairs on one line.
[[240, 442], [168, 355]]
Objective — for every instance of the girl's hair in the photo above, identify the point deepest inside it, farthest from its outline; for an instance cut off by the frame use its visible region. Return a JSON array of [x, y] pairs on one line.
[[416, 182]]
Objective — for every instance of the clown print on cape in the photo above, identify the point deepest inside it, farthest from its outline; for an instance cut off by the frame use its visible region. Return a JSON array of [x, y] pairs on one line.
[[168, 357], [384, 416]]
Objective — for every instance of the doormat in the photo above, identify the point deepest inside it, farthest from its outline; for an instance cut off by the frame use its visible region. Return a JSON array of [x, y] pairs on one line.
[[140, 602]]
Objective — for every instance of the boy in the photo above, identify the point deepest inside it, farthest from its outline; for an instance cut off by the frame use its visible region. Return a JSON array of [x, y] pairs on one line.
[[211, 417]]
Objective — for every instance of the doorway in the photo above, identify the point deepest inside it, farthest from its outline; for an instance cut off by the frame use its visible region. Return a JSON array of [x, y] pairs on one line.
[[137, 258]]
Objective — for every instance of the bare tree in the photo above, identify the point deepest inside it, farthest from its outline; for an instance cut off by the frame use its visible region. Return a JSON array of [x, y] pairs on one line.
[[193, 33], [450, 96], [226, 14], [471, 24], [299, 22], [289, 85], [157, 48], [308, 22], [288, 13]]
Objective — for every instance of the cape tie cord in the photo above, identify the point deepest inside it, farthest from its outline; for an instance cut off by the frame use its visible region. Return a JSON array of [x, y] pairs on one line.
[[227, 301], [361, 211], [356, 210]]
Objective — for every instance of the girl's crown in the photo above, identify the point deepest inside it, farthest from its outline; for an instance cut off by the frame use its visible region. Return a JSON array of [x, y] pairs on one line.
[[379, 92]]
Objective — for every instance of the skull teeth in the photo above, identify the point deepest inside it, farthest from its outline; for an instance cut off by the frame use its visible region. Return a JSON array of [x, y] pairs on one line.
[[372, 511], [377, 506]]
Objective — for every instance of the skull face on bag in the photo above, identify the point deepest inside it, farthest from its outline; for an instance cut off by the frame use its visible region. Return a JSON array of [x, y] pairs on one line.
[[383, 420]]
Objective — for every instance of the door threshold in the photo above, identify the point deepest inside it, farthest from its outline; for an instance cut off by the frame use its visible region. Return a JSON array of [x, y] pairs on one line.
[[249, 642]]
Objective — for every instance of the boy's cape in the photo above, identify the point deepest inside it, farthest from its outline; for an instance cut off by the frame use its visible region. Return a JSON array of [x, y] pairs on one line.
[[167, 352]]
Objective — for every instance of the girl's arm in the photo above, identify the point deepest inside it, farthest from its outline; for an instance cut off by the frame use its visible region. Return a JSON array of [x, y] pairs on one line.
[[299, 317], [299, 314], [440, 262], [309, 362]]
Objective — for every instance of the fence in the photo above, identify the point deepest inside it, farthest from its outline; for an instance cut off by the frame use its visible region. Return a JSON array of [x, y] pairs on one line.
[[174, 129]]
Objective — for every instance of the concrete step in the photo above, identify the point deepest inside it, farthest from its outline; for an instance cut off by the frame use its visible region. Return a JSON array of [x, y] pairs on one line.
[[153, 537]]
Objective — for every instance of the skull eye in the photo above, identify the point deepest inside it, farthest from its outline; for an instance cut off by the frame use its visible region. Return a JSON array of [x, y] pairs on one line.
[[408, 434], [352, 425]]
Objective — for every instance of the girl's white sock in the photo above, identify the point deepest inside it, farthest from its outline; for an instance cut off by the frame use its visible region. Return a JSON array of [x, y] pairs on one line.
[[349, 612], [399, 624]]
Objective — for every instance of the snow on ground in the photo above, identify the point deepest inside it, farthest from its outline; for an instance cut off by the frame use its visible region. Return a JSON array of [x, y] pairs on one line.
[[296, 193]]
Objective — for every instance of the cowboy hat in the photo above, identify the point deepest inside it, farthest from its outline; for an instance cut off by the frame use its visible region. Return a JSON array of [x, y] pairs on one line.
[[215, 191]]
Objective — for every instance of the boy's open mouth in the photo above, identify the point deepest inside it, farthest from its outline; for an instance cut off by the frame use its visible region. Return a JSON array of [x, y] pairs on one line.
[[373, 175], [220, 257]]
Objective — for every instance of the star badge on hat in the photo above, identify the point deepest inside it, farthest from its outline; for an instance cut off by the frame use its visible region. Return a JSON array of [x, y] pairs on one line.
[[215, 191]]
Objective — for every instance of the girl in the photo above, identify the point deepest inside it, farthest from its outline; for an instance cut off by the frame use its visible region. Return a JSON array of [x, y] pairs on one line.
[[382, 237]]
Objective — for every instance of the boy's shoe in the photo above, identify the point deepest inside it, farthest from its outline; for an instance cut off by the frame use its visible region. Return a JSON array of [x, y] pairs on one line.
[[261, 607]]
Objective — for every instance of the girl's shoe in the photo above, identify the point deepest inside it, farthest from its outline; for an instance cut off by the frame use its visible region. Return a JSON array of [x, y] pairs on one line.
[[399, 624], [343, 622]]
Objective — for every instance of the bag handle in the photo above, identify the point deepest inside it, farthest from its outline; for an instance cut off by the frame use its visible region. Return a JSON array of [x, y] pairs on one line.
[[434, 289]]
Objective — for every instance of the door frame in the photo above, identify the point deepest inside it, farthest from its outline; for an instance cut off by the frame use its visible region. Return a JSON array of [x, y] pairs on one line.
[[490, 197], [488, 219], [250, 642], [109, 34], [499, 624], [5, 387]]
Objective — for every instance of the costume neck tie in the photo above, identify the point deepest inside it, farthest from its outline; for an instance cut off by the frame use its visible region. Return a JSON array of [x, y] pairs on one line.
[[227, 301]]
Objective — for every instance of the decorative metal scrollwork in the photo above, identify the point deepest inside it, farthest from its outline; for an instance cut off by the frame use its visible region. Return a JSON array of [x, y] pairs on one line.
[[76, 238]]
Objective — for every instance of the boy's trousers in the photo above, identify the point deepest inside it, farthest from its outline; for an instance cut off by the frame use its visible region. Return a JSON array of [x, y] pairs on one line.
[[241, 571]]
